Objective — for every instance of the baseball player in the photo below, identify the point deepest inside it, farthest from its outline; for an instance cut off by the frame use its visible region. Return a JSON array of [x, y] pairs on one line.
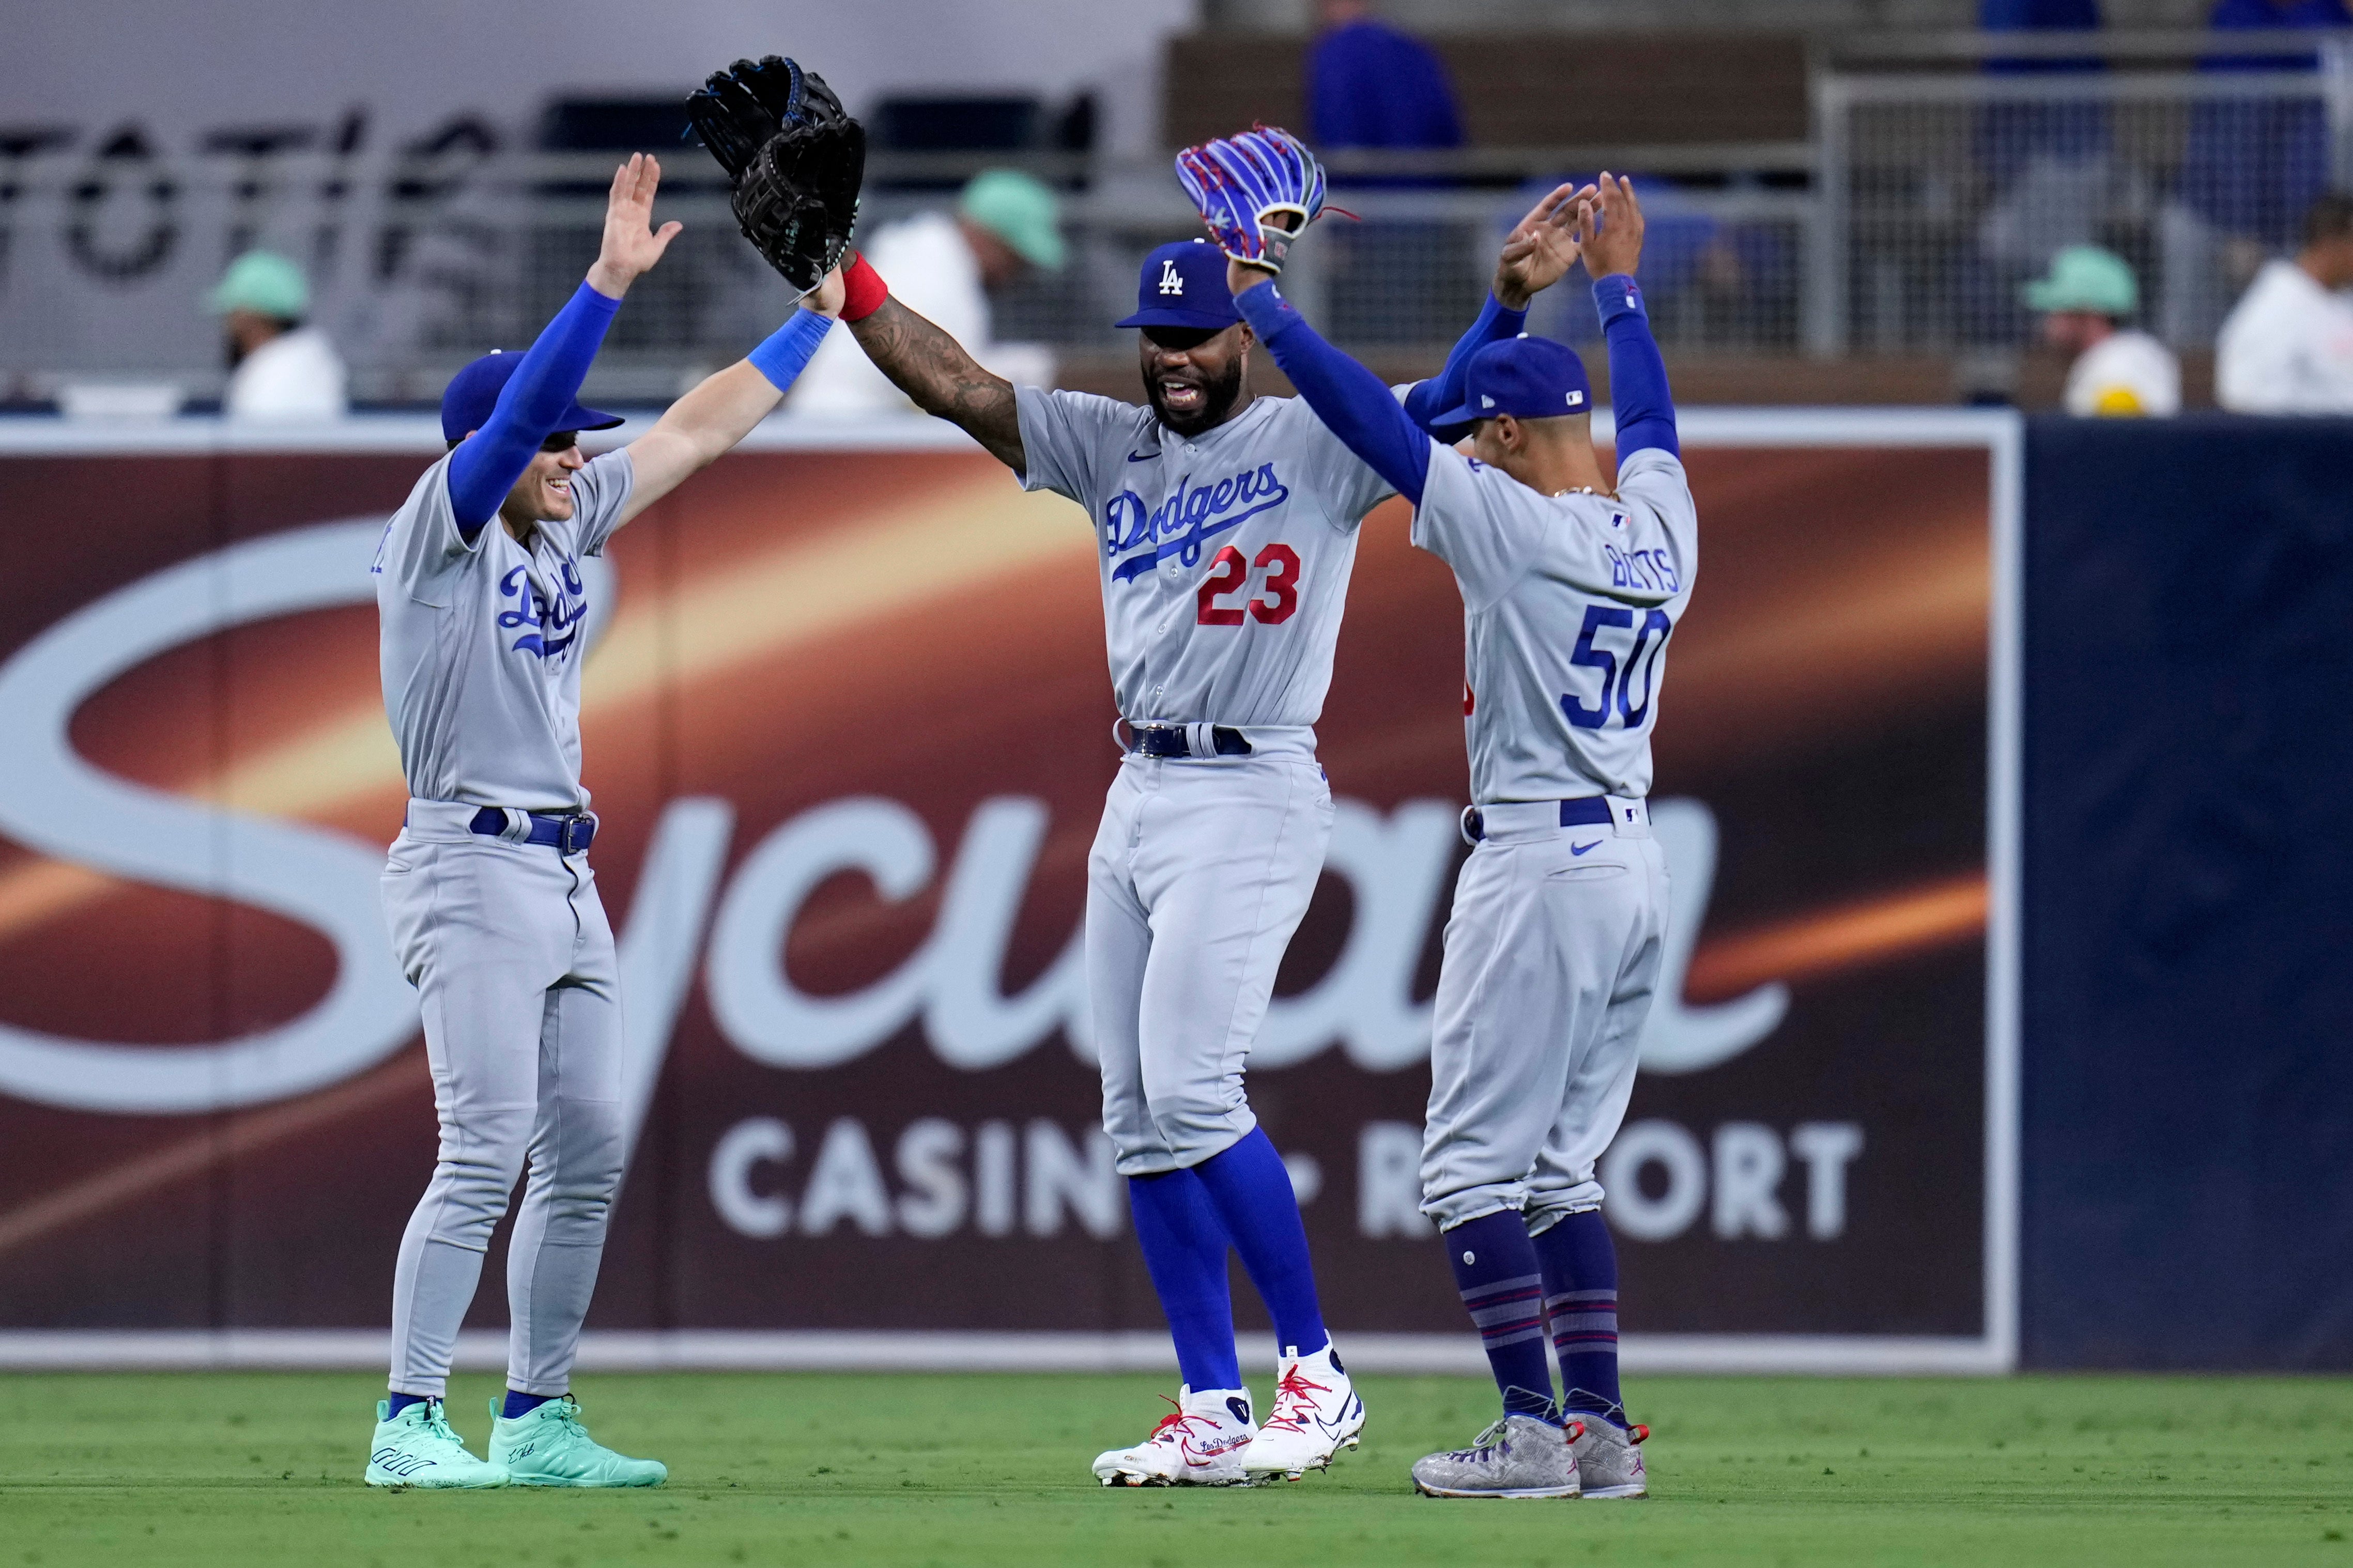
[[1572, 584], [493, 908], [1228, 527]]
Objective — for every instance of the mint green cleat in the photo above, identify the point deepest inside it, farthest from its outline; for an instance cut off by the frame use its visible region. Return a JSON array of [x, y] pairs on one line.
[[416, 1449], [548, 1446]]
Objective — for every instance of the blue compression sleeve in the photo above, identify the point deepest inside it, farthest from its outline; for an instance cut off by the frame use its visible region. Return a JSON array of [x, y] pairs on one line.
[[1637, 377], [483, 468], [1431, 398], [786, 352], [1344, 394]]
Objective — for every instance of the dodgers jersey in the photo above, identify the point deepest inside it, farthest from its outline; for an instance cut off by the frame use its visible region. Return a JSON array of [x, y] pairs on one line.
[[1567, 604], [481, 644], [1225, 556]]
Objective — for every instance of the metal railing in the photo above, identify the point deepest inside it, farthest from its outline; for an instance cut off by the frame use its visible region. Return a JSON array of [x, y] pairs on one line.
[[1943, 191], [1940, 178], [417, 263]]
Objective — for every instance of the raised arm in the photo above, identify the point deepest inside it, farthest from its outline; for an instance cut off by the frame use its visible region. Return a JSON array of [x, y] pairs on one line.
[[723, 407], [1611, 234], [489, 461], [932, 368], [1536, 254], [1350, 400]]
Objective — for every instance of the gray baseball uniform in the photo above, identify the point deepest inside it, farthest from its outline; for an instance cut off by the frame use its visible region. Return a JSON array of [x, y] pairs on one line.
[[1551, 950], [506, 941], [1224, 560]]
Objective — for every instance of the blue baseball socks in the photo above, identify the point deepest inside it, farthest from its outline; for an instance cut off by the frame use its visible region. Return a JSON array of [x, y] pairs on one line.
[[1251, 1190], [1503, 1288], [1580, 1287], [1184, 1249]]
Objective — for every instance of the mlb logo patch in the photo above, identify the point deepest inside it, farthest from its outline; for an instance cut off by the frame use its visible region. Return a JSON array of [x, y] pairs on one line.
[[1576, 400]]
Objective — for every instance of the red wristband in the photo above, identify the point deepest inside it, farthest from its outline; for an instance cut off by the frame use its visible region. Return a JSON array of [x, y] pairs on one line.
[[864, 290]]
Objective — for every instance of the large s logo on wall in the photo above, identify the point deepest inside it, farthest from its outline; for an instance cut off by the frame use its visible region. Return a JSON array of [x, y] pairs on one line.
[[53, 801]]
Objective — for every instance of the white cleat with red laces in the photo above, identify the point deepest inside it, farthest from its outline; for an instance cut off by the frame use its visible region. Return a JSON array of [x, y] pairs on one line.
[[1198, 1444], [1316, 1414]]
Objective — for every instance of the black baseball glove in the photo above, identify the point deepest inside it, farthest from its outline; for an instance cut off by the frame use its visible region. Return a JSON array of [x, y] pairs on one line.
[[795, 160]]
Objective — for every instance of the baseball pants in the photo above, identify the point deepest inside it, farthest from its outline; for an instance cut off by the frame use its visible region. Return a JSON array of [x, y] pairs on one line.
[[1551, 957], [1199, 874], [514, 961]]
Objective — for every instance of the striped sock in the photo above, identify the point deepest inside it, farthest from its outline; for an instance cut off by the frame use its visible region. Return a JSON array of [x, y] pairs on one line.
[[1580, 1285], [1496, 1269]]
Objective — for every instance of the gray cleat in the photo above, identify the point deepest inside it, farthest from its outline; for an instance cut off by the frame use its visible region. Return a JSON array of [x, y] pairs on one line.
[[1519, 1456], [1610, 1456]]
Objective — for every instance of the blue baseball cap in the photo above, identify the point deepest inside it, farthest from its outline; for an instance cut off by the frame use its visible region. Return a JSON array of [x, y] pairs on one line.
[[474, 391], [1184, 285], [1525, 377]]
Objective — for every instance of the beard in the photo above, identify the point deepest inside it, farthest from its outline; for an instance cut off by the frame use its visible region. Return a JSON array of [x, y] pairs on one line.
[[1218, 400]]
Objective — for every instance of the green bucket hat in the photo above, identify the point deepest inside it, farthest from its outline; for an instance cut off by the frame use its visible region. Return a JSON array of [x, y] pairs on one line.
[[263, 281], [1018, 210], [2086, 278]]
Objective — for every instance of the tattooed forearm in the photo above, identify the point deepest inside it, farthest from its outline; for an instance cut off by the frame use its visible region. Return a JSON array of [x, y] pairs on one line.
[[933, 369]]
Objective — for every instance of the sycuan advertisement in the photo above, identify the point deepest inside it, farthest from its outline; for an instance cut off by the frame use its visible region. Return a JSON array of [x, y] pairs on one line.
[[848, 725]]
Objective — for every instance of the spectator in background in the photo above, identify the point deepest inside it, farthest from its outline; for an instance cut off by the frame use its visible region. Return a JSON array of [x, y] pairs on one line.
[[279, 368], [2086, 301], [1372, 85], [944, 266], [2251, 166], [2047, 160], [2288, 346]]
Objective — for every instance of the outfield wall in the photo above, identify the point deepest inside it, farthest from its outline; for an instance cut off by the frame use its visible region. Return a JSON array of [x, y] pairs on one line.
[[2189, 908], [846, 720]]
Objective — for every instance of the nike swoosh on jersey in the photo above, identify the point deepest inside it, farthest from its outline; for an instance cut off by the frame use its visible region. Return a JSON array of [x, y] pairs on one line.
[[1142, 456], [1582, 848]]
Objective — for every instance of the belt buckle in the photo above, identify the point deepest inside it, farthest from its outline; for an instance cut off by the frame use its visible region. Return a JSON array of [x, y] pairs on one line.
[[575, 834]]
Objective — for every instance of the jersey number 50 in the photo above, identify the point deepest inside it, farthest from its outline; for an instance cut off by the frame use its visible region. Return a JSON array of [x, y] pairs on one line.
[[1617, 674], [1228, 572]]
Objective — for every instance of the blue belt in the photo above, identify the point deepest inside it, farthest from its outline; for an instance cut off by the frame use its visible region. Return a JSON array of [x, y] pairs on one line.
[[1169, 741], [570, 834], [1591, 811]]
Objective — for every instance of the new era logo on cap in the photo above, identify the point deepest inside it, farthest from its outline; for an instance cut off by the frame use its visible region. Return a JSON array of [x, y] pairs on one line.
[[1525, 377]]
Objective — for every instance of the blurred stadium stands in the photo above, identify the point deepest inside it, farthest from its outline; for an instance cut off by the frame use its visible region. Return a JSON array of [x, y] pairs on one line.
[[1835, 217]]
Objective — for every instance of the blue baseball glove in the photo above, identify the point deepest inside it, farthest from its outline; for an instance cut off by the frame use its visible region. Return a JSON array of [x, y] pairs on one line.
[[1256, 191]]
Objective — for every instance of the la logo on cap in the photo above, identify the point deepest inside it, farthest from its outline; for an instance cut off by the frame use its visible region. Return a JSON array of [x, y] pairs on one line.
[[1170, 283]]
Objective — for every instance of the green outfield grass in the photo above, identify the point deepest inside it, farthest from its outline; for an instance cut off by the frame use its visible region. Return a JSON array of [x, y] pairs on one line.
[[193, 1470]]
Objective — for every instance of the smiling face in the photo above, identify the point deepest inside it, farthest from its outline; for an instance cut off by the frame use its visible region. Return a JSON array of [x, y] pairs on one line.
[[543, 493], [1192, 376]]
